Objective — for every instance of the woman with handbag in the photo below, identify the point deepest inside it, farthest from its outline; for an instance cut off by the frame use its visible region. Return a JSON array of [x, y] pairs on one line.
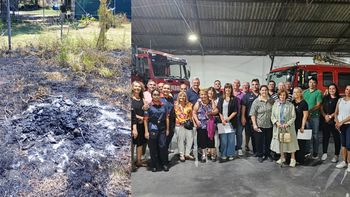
[[227, 107], [184, 126], [156, 124], [203, 116], [284, 139], [260, 114], [213, 97]]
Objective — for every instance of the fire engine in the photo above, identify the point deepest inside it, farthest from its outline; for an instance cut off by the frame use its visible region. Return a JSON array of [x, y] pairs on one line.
[[160, 67], [335, 71]]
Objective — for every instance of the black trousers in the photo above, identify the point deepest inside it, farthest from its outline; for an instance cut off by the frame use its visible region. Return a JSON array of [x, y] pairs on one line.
[[158, 149], [300, 154], [249, 133], [169, 138], [327, 130], [263, 142]]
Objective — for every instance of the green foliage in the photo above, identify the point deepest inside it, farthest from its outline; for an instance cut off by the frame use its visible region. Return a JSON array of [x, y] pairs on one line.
[[74, 24], [89, 61], [63, 56], [87, 20], [105, 72], [107, 20]]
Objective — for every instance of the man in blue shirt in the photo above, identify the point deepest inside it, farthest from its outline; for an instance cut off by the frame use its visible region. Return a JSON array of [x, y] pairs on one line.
[[193, 92], [247, 102]]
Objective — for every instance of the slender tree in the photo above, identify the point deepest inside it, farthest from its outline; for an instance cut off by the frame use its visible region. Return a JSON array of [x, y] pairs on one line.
[[106, 21]]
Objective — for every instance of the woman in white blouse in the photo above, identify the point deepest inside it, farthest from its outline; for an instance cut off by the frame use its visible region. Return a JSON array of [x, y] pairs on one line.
[[342, 123]]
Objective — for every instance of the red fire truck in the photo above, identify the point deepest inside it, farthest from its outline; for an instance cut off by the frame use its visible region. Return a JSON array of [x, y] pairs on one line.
[[160, 67], [325, 74]]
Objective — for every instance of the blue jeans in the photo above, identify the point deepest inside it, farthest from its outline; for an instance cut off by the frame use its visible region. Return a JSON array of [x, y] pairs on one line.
[[239, 132], [227, 144], [314, 124]]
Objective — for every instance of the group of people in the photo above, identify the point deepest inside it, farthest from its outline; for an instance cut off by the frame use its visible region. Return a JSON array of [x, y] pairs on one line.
[[217, 116]]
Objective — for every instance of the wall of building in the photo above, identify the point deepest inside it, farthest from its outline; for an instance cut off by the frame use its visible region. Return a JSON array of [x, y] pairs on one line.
[[228, 68]]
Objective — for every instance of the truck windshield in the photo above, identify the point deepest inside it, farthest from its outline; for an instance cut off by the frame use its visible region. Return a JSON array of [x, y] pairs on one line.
[[164, 68], [282, 76]]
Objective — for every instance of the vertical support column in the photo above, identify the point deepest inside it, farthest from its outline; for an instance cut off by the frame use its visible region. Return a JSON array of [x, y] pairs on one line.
[[9, 24], [272, 57]]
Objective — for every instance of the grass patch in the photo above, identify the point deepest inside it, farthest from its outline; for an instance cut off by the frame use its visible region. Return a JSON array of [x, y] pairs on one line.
[[28, 34], [47, 12], [77, 48]]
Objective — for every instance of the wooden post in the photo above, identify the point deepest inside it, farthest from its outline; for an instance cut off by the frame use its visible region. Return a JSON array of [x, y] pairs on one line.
[[9, 24]]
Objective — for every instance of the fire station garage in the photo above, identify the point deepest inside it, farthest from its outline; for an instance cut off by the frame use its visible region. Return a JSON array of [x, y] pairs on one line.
[[280, 40]]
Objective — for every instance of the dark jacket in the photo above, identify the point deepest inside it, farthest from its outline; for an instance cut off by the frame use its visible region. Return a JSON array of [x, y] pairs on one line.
[[232, 107]]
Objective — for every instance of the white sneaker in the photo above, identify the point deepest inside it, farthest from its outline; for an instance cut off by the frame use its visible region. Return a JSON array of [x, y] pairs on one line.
[[292, 163], [341, 165], [240, 152], [335, 159], [324, 157], [348, 170], [280, 161]]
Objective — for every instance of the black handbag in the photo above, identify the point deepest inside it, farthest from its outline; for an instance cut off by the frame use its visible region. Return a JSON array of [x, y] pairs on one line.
[[188, 124]]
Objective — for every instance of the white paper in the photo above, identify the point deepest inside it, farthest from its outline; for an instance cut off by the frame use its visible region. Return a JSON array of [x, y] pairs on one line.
[[306, 135], [224, 129]]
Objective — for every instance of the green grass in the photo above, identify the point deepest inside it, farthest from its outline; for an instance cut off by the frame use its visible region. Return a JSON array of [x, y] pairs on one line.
[[48, 12], [77, 49], [28, 34]]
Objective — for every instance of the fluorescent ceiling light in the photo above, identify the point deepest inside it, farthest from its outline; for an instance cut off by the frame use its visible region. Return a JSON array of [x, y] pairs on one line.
[[192, 37]]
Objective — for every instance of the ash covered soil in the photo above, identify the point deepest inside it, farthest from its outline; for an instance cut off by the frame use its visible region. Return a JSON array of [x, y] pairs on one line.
[[63, 133]]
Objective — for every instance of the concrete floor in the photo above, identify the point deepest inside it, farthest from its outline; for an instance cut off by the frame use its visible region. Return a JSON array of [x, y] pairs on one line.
[[242, 177]]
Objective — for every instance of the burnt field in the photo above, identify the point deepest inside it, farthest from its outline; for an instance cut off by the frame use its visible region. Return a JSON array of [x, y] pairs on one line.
[[63, 133]]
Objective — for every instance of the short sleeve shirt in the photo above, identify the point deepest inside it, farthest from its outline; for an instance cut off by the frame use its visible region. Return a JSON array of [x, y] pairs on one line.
[[312, 98], [263, 111], [299, 112], [156, 115], [329, 104], [136, 109], [239, 95], [183, 113], [192, 96], [148, 97], [247, 101], [169, 105]]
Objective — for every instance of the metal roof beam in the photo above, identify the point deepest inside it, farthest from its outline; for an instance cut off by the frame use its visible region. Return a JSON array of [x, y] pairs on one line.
[[341, 35], [157, 34], [135, 18], [306, 2], [242, 52], [294, 49]]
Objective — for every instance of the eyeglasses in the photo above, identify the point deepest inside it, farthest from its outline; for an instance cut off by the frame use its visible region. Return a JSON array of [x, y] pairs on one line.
[[155, 94]]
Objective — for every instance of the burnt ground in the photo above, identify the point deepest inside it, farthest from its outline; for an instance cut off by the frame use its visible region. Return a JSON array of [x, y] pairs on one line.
[[63, 133]]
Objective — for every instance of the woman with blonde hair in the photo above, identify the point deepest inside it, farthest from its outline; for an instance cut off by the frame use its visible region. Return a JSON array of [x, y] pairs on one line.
[[137, 115], [212, 152], [183, 111], [301, 115], [203, 111], [284, 139]]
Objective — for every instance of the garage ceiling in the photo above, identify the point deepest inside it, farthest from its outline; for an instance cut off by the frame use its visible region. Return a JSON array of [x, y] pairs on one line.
[[244, 27]]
